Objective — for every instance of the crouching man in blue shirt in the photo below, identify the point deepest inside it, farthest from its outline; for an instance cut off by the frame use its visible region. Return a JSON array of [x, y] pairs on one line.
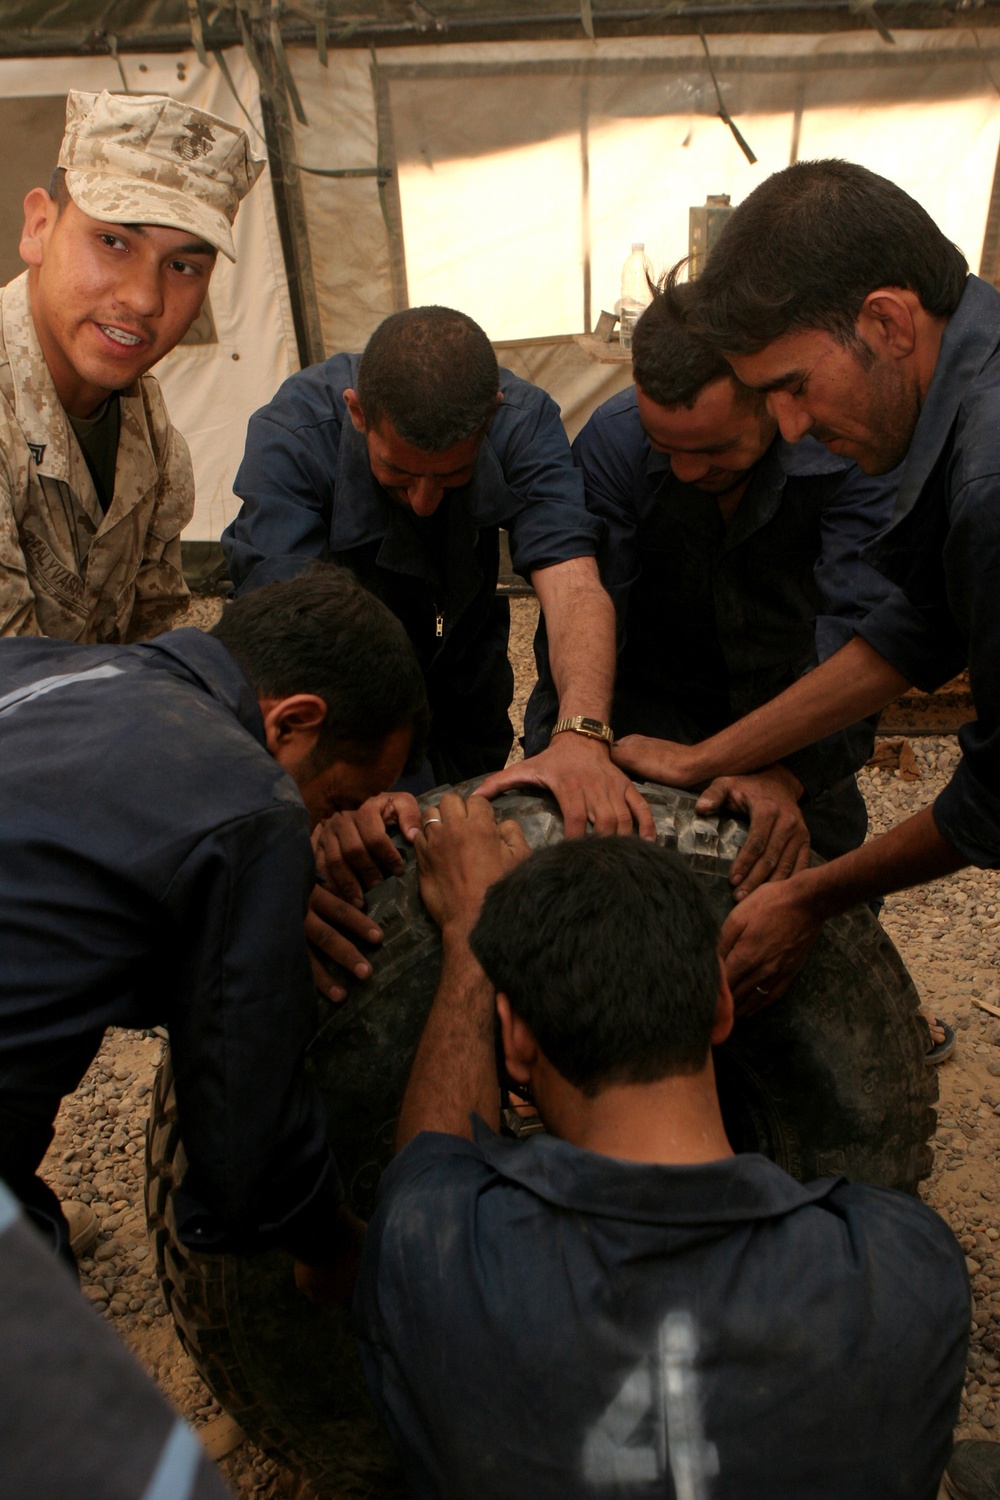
[[155, 865], [403, 463], [622, 1306]]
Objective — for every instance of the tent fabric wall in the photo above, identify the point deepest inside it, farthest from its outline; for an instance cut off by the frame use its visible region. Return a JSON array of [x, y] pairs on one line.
[[351, 249], [562, 367], [523, 171], [210, 389]]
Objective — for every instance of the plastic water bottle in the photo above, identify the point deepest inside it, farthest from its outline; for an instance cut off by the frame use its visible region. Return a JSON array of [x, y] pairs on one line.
[[636, 295]]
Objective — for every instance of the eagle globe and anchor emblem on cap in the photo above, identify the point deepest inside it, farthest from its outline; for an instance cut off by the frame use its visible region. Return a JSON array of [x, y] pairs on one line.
[[198, 141]]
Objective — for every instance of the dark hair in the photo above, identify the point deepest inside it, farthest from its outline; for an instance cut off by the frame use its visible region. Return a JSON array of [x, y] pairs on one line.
[[670, 363], [430, 372], [323, 633], [606, 947], [808, 245], [58, 191]]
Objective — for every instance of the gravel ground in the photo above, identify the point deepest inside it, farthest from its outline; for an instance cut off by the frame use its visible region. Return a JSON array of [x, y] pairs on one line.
[[947, 933]]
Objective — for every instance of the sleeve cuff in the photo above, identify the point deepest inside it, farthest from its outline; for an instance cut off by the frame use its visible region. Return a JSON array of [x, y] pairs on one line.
[[922, 645], [967, 814]]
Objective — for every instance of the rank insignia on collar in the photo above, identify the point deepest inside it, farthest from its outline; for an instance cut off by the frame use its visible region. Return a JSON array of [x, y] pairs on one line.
[[37, 451]]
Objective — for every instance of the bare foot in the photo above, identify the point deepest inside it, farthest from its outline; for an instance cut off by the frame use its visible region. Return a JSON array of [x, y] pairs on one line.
[[934, 1026]]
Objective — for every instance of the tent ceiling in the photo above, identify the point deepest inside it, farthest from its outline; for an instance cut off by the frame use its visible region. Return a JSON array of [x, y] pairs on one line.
[[39, 27]]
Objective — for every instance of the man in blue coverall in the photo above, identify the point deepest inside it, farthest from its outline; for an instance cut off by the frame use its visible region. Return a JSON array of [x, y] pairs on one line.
[[155, 865], [733, 559], [403, 463], [621, 1306], [835, 295]]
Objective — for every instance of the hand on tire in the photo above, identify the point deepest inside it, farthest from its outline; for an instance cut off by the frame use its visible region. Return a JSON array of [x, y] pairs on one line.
[[764, 943], [777, 842], [353, 853], [461, 852], [331, 923], [590, 789], [353, 849]]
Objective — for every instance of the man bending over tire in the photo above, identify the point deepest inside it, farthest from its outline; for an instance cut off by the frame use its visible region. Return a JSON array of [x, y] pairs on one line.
[[733, 560], [622, 1306], [155, 867]]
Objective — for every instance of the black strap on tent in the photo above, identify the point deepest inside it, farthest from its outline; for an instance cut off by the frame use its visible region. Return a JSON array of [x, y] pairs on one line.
[[382, 174], [220, 58], [722, 111], [278, 48], [196, 20], [867, 9]]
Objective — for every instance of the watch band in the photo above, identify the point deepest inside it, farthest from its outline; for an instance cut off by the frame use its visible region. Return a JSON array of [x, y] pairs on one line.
[[592, 728]]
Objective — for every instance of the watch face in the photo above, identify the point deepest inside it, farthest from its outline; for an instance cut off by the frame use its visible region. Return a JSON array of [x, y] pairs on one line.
[[593, 726]]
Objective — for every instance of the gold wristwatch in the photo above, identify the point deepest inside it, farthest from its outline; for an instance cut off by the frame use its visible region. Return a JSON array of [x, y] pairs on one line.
[[592, 728]]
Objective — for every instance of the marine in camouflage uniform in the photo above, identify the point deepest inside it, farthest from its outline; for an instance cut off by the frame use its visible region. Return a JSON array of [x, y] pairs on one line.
[[67, 569], [74, 563]]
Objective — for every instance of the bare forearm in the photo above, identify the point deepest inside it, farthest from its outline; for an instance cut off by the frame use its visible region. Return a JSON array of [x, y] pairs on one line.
[[580, 624], [909, 854], [852, 683], [454, 1071]]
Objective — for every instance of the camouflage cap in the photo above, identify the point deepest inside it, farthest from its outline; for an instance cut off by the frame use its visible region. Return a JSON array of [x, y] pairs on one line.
[[147, 159]]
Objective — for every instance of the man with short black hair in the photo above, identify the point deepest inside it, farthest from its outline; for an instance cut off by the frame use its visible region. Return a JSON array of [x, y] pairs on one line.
[[403, 463], [733, 560], [155, 866], [622, 1306], [95, 483]]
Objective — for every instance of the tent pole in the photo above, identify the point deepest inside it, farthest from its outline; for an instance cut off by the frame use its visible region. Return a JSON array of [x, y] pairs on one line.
[[289, 203]]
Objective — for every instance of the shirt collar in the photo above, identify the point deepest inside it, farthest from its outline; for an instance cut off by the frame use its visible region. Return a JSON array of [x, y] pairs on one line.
[[733, 1190], [214, 668], [970, 339]]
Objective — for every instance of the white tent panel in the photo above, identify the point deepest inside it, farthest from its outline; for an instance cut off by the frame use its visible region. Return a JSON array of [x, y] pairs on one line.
[[511, 255], [347, 233], [942, 151], [519, 162], [210, 389]]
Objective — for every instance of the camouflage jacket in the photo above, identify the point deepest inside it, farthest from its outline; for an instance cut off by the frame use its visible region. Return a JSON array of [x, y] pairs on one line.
[[66, 568]]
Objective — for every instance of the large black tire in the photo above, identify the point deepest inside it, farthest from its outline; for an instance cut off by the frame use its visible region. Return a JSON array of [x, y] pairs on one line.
[[830, 1079]]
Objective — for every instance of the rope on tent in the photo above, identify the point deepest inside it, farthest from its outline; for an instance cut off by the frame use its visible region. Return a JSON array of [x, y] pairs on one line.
[[587, 18], [866, 8], [196, 22], [278, 47], [722, 111], [220, 58], [113, 49], [251, 51], [382, 173]]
